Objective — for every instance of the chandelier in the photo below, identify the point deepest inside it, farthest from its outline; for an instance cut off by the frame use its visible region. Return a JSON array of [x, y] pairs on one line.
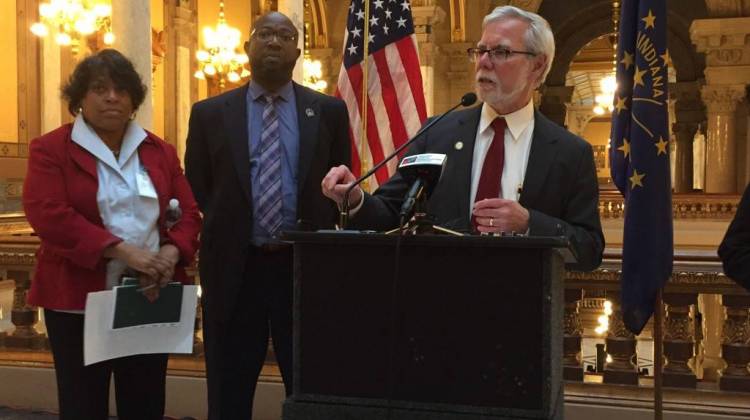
[[312, 74], [604, 100], [219, 58], [74, 19]]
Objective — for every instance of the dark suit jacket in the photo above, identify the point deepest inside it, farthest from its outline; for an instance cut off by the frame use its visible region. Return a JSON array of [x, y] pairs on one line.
[[217, 164], [59, 198], [560, 189], [734, 250]]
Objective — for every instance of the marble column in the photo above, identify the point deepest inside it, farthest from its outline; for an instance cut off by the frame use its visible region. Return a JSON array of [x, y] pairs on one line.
[[52, 105], [726, 43], [709, 365], [425, 17], [683, 179], [295, 10], [721, 146], [460, 74], [180, 87], [689, 112], [131, 24]]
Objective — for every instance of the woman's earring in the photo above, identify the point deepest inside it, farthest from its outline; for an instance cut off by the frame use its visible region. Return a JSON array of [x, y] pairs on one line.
[[80, 110]]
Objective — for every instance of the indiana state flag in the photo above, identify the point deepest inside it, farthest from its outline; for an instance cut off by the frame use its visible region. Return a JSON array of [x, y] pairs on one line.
[[639, 157]]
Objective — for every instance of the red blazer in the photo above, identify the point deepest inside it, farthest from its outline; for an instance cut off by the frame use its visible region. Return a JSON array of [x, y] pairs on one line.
[[59, 198]]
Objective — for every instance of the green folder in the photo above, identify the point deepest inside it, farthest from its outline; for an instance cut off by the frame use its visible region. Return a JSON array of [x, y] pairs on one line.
[[133, 309]]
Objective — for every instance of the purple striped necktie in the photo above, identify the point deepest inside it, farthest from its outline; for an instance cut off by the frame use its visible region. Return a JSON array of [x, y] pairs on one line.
[[269, 168]]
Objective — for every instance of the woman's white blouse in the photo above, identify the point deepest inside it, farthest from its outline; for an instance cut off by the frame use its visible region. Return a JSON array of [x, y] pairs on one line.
[[126, 197]]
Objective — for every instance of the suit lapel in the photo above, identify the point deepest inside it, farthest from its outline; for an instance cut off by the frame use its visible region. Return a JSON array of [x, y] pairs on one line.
[[235, 124], [465, 132], [541, 157], [308, 117]]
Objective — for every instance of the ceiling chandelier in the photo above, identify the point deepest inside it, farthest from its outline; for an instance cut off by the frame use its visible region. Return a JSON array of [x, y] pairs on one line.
[[219, 59], [604, 100], [73, 20], [312, 74]]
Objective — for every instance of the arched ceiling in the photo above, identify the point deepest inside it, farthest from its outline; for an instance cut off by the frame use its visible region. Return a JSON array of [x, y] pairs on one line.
[[592, 20]]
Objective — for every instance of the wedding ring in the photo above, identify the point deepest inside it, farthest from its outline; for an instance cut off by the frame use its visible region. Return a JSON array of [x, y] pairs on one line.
[[492, 222]]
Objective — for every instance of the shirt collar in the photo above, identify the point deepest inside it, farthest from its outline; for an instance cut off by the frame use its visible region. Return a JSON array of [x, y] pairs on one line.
[[285, 92], [517, 121], [86, 137]]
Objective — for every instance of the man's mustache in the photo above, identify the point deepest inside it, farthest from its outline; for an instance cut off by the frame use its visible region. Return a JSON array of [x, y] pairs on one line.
[[486, 77]]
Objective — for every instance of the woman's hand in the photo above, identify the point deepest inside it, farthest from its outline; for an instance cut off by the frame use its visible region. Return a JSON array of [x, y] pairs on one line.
[[171, 254], [149, 286], [149, 263]]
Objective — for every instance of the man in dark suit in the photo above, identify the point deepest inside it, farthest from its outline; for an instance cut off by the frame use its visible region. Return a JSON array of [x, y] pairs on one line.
[[509, 169], [734, 249], [255, 159]]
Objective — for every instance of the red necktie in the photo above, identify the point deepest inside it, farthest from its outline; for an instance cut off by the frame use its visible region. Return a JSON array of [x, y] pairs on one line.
[[492, 169]]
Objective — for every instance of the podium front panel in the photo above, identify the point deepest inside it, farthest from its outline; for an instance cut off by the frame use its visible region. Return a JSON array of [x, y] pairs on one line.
[[458, 324]]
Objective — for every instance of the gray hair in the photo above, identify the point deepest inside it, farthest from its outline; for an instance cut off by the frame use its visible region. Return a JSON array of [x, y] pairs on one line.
[[538, 37]]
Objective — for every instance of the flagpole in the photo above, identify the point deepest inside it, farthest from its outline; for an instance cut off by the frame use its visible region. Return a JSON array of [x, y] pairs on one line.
[[658, 356], [364, 163]]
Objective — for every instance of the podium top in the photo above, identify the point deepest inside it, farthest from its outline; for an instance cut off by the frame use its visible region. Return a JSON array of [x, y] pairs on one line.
[[352, 237]]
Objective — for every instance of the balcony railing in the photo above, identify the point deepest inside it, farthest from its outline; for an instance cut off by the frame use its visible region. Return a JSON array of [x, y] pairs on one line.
[[706, 328]]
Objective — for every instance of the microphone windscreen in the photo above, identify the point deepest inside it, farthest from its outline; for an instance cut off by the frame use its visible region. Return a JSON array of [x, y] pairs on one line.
[[469, 99]]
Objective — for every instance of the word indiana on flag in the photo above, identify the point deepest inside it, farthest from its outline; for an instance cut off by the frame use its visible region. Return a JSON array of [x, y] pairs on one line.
[[395, 98], [639, 156]]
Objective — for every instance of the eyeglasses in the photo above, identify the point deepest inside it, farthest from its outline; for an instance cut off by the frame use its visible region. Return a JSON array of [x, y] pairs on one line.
[[496, 54], [268, 35]]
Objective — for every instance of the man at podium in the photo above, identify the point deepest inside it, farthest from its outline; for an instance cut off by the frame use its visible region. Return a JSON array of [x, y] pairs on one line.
[[509, 169]]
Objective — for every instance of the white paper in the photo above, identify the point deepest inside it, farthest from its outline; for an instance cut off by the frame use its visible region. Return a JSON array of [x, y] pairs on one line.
[[101, 342]]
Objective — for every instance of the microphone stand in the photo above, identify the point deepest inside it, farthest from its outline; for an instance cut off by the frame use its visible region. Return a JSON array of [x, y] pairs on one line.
[[466, 100]]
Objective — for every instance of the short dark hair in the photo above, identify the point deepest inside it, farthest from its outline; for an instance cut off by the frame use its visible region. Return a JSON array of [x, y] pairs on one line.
[[109, 62]]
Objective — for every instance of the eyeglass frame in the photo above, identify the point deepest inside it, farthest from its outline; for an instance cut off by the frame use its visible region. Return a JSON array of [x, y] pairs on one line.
[[497, 53], [274, 34]]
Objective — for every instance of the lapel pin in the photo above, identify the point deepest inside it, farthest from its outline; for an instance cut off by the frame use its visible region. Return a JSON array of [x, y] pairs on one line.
[[459, 145], [309, 112]]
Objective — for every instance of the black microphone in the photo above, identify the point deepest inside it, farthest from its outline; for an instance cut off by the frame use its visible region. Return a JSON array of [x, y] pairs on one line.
[[467, 100], [424, 171]]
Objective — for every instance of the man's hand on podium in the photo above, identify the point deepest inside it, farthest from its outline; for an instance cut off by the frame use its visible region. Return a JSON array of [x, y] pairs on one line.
[[495, 215]]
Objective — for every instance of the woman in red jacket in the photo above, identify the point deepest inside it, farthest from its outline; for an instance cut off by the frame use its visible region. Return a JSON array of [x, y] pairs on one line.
[[96, 193]]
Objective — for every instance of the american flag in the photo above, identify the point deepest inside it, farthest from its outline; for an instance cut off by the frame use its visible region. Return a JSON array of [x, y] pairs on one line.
[[395, 98]]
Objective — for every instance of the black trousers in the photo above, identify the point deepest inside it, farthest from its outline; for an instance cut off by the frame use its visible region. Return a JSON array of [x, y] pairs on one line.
[[83, 391], [236, 349]]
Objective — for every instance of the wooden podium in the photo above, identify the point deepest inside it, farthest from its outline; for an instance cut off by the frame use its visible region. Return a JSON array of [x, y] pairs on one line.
[[450, 328]]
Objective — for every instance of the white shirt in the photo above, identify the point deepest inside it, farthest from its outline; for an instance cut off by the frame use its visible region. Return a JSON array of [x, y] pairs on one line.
[[520, 127], [126, 197]]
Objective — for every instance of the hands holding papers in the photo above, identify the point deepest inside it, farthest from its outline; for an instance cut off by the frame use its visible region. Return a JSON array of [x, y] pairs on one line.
[[150, 284], [157, 266], [123, 322]]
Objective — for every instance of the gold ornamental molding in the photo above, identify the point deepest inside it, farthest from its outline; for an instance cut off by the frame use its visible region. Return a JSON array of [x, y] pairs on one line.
[[13, 224], [8, 149], [684, 206], [694, 272], [17, 245], [16, 258]]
